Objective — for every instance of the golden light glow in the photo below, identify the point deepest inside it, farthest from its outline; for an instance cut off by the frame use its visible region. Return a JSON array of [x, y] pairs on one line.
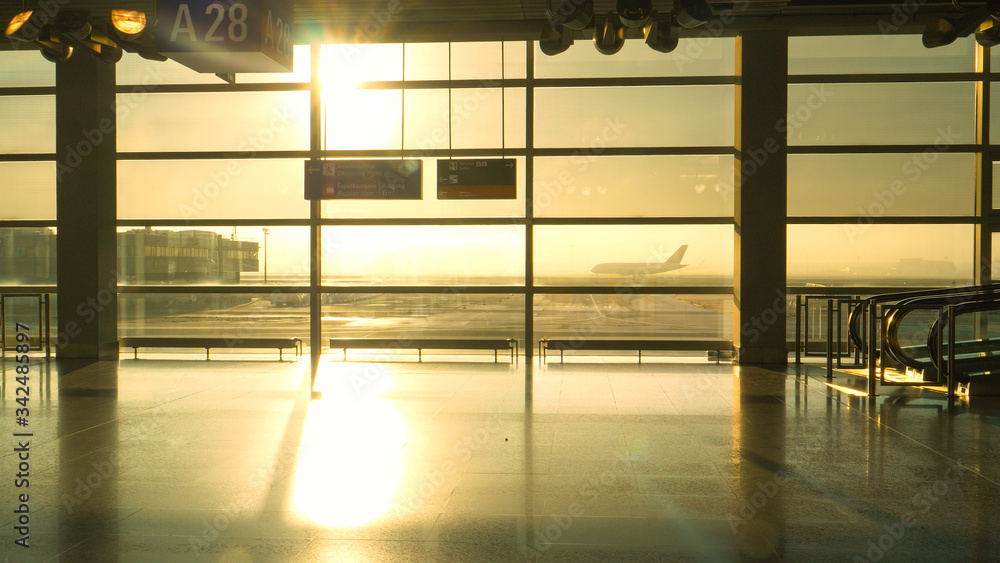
[[847, 390], [16, 23], [129, 22], [359, 118], [350, 461]]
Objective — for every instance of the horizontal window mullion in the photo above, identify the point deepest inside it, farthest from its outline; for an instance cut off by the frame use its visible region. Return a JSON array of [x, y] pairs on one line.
[[885, 78], [886, 220]]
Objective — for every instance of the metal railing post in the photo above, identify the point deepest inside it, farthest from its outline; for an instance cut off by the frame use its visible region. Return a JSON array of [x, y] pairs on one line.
[[951, 351], [872, 346], [798, 329], [829, 338]]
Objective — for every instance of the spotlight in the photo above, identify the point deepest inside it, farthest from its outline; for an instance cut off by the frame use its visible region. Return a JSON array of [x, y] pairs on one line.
[[58, 35], [74, 23], [989, 37], [659, 36], [128, 22], [23, 27], [941, 31], [634, 13], [73, 27], [52, 47], [32, 27], [127, 27], [104, 47], [555, 40], [692, 13], [572, 14], [56, 55], [938, 33], [609, 37]]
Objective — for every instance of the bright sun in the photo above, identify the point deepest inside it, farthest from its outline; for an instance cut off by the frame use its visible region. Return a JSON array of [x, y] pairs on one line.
[[361, 119]]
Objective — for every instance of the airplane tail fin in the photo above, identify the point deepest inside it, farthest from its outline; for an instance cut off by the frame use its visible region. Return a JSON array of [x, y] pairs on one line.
[[677, 256]]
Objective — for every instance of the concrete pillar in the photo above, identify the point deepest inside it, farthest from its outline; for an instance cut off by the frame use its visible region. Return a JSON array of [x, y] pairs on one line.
[[761, 197], [86, 179]]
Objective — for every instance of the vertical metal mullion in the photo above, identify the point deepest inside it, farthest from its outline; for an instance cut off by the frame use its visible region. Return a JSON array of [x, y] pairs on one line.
[[984, 182], [316, 138], [984, 172], [529, 199]]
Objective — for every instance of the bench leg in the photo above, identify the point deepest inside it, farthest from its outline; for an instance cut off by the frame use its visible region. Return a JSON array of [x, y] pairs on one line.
[[495, 352], [135, 353], [640, 356], [279, 354]]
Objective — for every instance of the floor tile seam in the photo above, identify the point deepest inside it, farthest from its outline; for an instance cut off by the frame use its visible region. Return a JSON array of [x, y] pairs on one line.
[[118, 420], [67, 550], [915, 441]]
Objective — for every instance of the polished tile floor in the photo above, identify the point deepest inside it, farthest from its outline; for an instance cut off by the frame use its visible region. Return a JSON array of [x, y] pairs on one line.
[[182, 459]]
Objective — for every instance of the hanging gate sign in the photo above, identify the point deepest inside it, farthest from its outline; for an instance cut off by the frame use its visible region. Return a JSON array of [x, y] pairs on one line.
[[225, 36], [363, 179], [493, 178]]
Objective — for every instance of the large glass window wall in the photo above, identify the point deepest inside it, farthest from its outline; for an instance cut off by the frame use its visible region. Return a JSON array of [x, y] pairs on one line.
[[626, 160], [882, 176]]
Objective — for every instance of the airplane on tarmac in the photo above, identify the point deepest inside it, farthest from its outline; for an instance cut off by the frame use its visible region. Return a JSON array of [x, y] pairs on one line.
[[638, 269]]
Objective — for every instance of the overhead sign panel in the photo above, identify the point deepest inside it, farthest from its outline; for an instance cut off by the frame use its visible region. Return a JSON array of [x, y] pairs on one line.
[[363, 179], [223, 36], [494, 178]]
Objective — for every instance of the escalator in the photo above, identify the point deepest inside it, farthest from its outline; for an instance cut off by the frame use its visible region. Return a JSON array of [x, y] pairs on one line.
[[970, 351], [902, 331], [972, 363], [860, 313]]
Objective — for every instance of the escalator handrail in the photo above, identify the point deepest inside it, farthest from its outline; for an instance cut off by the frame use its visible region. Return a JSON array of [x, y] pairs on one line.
[[896, 316], [855, 324], [935, 333]]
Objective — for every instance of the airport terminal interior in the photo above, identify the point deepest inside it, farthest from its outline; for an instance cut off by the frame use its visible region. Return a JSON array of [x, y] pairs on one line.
[[533, 280]]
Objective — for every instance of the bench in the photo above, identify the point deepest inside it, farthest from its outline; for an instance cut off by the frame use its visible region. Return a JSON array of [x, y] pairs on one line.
[[136, 342], [421, 344], [638, 345]]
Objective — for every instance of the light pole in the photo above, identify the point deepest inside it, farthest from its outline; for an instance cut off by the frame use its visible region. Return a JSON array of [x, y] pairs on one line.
[[265, 254]]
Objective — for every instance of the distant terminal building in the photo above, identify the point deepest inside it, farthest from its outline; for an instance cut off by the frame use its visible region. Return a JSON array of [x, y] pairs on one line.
[[145, 256], [27, 255]]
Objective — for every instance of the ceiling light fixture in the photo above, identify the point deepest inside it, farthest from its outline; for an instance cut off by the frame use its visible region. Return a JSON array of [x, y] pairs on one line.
[[128, 22], [692, 13], [659, 34], [634, 13], [58, 35], [128, 27], [609, 36], [571, 14], [23, 27], [555, 39], [73, 27], [989, 37], [943, 31]]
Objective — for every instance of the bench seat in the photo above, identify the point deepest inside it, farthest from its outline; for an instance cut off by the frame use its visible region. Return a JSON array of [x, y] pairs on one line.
[[421, 344], [136, 342], [564, 344]]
